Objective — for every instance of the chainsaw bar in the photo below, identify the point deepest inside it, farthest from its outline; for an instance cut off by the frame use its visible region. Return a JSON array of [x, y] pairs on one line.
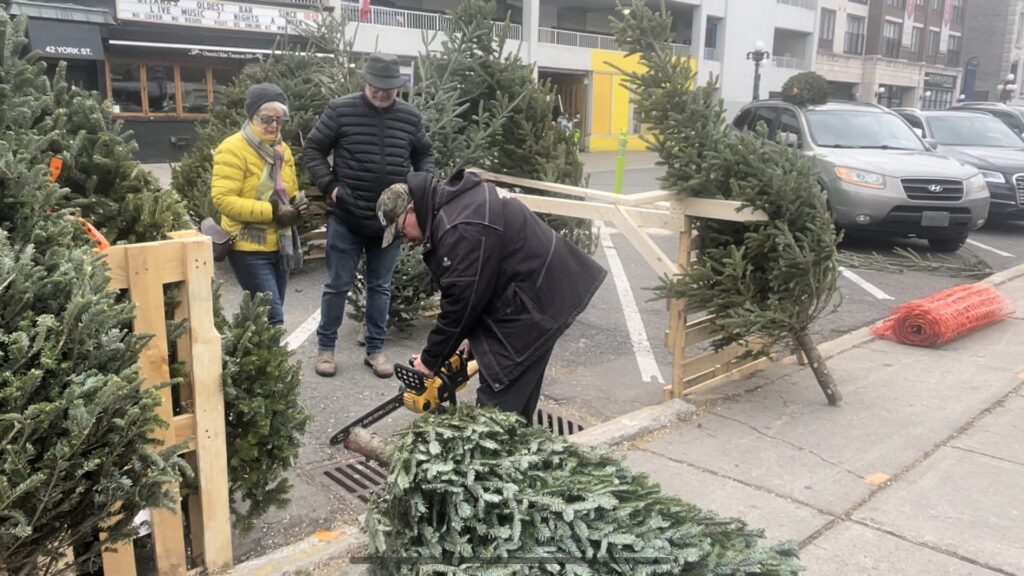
[[372, 417]]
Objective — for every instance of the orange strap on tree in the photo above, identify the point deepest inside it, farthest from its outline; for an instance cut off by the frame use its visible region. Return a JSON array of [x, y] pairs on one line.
[[56, 163], [94, 234]]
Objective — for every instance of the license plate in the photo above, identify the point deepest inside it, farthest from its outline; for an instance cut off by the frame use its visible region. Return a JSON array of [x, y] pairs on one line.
[[929, 218]]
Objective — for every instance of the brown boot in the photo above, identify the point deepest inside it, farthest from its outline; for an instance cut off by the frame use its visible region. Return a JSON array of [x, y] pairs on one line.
[[382, 367], [325, 365]]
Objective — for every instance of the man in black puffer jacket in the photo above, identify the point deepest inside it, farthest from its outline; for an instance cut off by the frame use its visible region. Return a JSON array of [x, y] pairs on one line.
[[510, 285], [376, 140]]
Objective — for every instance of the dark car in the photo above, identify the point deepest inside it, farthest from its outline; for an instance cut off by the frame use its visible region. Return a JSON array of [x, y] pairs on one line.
[[1012, 116], [983, 142]]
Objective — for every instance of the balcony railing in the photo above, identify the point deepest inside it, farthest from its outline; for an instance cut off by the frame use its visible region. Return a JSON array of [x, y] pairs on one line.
[[395, 18], [854, 43], [790, 62], [809, 4]]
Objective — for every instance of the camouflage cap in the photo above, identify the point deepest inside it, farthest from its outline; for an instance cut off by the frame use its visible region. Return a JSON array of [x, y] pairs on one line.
[[391, 204]]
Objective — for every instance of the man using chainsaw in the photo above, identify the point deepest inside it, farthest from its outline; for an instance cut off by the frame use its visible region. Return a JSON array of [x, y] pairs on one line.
[[510, 285]]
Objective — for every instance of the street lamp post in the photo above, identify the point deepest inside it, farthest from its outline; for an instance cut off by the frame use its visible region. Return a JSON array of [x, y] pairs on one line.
[[1008, 88], [925, 96], [758, 55], [879, 93]]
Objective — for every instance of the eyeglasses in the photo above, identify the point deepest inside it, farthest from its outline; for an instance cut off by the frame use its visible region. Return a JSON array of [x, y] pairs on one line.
[[375, 90], [271, 120]]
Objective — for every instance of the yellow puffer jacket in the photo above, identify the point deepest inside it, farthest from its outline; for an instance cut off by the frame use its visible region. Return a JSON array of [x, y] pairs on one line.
[[237, 169]]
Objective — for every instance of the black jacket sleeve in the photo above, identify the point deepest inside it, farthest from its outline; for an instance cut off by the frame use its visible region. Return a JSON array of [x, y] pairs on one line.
[[319, 145], [422, 151], [467, 286]]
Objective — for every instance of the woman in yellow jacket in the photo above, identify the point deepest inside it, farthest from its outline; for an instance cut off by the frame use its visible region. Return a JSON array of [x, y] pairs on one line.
[[255, 189]]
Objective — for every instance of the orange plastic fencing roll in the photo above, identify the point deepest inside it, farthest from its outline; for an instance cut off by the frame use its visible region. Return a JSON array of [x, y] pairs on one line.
[[944, 316]]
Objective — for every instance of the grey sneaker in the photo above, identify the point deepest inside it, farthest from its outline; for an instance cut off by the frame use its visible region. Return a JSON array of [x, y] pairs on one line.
[[382, 367], [325, 365]]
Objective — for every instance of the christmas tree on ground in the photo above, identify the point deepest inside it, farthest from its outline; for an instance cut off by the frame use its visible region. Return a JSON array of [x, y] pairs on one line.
[[43, 119], [75, 422], [765, 280], [477, 491]]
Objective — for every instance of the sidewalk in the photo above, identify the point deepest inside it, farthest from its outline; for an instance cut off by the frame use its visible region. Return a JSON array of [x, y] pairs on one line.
[[920, 472]]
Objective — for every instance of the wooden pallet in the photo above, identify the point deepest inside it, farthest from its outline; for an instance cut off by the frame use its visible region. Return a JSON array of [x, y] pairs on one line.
[[144, 270]]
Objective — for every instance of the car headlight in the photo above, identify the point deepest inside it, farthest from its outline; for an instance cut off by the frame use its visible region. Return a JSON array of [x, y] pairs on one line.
[[860, 177], [976, 184], [991, 176]]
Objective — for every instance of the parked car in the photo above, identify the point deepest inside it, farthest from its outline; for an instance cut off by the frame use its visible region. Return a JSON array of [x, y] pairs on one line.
[[879, 176], [1012, 116], [983, 142]]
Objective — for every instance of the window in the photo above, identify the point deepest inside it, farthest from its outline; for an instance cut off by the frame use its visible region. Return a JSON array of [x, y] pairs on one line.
[[933, 42], [915, 40], [1020, 30], [855, 26], [165, 89], [958, 11], [895, 3], [788, 124], [126, 87], [892, 34], [763, 118], [914, 120], [953, 51], [920, 2], [828, 27], [937, 5]]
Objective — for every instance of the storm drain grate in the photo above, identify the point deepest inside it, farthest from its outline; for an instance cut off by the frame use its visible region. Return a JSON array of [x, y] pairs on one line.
[[358, 477], [558, 425]]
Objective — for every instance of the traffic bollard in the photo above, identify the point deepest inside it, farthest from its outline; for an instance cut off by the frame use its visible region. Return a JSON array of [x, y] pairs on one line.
[[620, 162]]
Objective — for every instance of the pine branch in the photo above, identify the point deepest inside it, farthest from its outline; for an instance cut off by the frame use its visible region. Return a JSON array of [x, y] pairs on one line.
[[908, 260]]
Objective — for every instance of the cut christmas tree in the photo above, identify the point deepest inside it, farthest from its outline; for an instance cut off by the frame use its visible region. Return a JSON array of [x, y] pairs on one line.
[[478, 491], [765, 281]]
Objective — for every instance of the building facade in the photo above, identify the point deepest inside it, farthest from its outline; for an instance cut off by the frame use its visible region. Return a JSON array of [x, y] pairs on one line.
[[894, 52], [997, 53], [163, 63]]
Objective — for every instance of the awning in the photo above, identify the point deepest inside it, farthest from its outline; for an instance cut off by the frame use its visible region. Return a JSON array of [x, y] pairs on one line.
[[66, 40]]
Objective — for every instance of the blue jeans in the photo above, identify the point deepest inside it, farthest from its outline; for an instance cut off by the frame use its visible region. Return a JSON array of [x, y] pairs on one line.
[[262, 272], [344, 250]]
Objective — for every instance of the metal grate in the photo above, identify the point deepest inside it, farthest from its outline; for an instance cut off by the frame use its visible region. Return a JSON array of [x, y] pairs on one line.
[[1018, 186], [558, 425], [931, 190], [359, 477]]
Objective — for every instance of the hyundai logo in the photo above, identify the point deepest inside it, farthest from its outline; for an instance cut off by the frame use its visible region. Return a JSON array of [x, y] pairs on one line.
[[935, 188]]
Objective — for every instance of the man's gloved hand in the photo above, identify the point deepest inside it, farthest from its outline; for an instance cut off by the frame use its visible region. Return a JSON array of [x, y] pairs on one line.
[[284, 215], [300, 203]]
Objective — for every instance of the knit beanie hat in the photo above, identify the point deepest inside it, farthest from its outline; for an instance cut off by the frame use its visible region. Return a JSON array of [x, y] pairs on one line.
[[259, 94]]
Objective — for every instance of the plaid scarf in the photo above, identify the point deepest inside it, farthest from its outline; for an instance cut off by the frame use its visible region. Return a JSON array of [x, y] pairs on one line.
[[289, 248]]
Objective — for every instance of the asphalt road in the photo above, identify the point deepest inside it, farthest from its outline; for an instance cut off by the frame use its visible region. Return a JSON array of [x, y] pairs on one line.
[[595, 374]]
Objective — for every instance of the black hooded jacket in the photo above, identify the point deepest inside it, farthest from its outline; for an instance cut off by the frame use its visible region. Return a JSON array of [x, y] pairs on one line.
[[372, 150], [509, 283]]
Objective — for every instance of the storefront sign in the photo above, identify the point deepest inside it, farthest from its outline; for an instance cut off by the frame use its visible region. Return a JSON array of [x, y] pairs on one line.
[[940, 81], [66, 40], [225, 54], [222, 15]]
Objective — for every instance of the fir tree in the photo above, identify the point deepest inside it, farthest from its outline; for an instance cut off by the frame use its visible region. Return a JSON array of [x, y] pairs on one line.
[[805, 88], [265, 421], [478, 491], [768, 280], [75, 422]]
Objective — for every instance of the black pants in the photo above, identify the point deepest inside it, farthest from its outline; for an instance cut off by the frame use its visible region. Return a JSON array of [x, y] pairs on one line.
[[522, 394]]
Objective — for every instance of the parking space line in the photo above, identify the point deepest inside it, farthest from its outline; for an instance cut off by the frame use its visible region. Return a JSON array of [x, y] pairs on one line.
[[868, 286], [295, 339], [634, 323], [989, 248]]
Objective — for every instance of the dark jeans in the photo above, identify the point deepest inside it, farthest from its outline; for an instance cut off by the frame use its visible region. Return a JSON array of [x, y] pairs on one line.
[[262, 272], [521, 395], [344, 250]]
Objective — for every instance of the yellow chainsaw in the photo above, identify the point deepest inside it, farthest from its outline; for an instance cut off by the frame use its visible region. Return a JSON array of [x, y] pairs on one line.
[[417, 393]]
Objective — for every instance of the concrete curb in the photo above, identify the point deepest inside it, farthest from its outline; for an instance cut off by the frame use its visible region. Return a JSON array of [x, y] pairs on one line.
[[305, 556], [1005, 276], [635, 424]]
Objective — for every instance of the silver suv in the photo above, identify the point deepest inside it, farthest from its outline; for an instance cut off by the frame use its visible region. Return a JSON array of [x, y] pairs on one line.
[[880, 177]]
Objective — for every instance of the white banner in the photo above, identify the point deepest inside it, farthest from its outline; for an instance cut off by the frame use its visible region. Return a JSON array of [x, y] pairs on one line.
[[908, 23], [947, 20], [222, 15]]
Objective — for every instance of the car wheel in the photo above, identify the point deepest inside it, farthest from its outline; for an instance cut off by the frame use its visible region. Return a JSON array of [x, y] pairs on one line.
[[947, 244]]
